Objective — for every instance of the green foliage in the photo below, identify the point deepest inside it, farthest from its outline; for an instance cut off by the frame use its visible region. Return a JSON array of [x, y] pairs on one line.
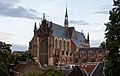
[[103, 45], [46, 72], [5, 58], [26, 56], [5, 47], [113, 40], [3, 69], [52, 72], [113, 69]]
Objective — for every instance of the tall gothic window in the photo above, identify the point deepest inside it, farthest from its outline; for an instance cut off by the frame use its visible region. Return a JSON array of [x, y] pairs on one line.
[[64, 46], [68, 46], [60, 45], [62, 52], [66, 52], [55, 43]]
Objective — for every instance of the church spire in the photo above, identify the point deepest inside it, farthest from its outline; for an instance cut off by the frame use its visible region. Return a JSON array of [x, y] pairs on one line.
[[66, 15], [35, 28], [66, 18], [43, 16], [44, 19], [88, 38]]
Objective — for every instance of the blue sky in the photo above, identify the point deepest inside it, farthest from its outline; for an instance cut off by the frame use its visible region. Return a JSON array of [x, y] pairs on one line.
[[17, 18]]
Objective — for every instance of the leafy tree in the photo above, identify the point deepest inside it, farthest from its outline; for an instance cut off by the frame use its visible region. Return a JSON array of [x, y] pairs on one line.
[[26, 56], [45, 72], [5, 47], [103, 45], [3, 69], [5, 57], [52, 72], [112, 36]]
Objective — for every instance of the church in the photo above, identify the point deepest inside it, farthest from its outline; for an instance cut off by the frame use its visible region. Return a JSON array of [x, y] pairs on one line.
[[54, 44]]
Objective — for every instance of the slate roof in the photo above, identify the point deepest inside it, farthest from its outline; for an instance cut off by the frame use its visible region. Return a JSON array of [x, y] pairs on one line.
[[77, 72], [98, 70], [76, 42], [79, 40], [80, 36], [59, 31]]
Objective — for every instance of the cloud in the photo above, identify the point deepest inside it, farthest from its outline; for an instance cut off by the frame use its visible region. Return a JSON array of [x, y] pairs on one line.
[[102, 12], [18, 47], [6, 36], [107, 7], [11, 2], [96, 43], [78, 22], [104, 9], [9, 9]]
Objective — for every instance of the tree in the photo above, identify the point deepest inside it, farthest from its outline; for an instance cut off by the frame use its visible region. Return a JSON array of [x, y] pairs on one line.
[[26, 56], [3, 69], [112, 36], [45, 72], [5, 57], [103, 45], [52, 72]]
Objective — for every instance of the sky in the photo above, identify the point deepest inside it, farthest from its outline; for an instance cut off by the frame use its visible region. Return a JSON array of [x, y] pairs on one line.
[[17, 18]]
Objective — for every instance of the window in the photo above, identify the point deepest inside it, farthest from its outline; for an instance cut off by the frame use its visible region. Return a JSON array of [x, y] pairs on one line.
[[62, 52], [64, 46], [67, 46], [55, 43], [60, 44], [70, 54], [66, 52]]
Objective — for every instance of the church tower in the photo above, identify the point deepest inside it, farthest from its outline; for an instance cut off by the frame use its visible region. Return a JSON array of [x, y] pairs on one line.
[[88, 40], [66, 19]]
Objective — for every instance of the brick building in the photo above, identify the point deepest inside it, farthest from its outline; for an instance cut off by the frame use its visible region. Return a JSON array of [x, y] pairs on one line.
[[54, 44]]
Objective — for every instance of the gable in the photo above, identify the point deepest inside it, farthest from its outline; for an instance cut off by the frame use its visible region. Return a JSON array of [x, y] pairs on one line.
[[74, 35], [80, 36], [70, 30]]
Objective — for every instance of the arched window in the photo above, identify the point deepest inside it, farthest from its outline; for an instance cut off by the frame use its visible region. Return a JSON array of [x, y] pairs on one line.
[[68, 46], [55, 43], [60, 44], [64, 46]]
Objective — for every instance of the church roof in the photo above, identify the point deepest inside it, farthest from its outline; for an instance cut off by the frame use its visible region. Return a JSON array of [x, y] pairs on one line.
[[59, 31], [76, 42], [80, 36]]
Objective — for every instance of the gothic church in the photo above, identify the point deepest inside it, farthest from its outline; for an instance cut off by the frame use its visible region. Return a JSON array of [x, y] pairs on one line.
[[55, 44]]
